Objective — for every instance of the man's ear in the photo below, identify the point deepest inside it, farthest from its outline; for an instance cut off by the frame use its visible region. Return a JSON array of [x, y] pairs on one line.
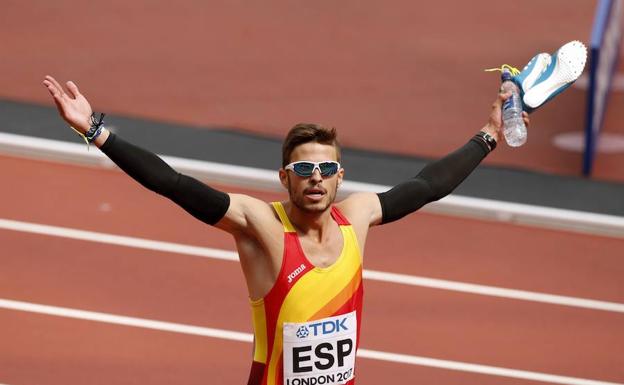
[[283, 176]]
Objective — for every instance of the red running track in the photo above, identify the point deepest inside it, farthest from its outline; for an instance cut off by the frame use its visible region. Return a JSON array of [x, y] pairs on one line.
[[40, 349]]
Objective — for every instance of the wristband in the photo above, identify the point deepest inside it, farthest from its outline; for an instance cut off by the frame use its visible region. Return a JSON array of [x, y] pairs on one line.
[[96, 128], [487, 139]]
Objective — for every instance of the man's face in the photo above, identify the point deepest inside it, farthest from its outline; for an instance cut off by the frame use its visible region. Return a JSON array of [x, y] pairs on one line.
[[314, 193]]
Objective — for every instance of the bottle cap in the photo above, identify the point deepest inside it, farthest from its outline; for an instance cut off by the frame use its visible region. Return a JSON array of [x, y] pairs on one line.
[[505, 75]]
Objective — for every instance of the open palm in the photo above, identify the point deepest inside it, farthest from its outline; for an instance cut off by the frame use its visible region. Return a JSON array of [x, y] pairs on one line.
[[73, 107]]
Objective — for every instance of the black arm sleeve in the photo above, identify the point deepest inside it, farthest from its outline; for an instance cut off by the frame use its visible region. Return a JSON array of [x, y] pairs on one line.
[[435, 181], [201, 201]]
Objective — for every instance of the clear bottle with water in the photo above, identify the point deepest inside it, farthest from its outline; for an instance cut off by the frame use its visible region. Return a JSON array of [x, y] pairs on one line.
[[513, 125]]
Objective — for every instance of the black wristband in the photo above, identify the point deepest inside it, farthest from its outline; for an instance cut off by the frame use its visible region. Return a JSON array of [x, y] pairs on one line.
[[487, 139]]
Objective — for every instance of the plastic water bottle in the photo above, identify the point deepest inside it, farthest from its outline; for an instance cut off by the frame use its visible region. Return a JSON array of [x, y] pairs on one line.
[[513, 126]]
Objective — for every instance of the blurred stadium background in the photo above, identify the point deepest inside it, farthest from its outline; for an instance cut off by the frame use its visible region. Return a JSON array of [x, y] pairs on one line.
[[403, 82]]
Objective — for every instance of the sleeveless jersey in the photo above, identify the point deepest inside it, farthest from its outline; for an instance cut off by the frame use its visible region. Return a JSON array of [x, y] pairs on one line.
[[306, 329]]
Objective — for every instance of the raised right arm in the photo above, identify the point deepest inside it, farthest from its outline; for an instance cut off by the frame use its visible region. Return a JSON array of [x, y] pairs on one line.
[[211, 206]]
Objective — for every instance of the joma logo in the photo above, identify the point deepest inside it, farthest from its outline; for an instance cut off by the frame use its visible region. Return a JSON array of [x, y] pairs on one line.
[[296, 272]]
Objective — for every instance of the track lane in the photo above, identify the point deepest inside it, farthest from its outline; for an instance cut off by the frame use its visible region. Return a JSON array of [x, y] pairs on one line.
[[38, 349], [78, 352], [363, 353]]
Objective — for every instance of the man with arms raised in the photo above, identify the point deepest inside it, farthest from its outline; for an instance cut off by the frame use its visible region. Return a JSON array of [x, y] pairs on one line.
[[301, 258]]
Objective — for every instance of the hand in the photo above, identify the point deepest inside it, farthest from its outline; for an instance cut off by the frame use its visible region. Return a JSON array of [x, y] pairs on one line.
[[494, 125], [72, 106]]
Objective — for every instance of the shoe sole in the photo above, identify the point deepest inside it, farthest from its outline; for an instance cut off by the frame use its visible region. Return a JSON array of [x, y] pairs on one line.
[[569, 65]]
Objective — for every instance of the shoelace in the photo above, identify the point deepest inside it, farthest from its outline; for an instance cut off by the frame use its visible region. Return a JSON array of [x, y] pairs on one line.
[[514, 71]]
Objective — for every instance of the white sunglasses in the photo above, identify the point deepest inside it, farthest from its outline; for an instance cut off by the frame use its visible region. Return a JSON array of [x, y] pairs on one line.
[[306, 168]]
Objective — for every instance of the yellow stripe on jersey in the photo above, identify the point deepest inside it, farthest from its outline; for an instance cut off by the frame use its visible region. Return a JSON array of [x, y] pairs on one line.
[[260, 331], [288, 227], [340, 299], [314, 291]]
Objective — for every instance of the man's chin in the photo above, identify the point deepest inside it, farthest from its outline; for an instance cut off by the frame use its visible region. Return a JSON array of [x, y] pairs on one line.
[[317, 207]]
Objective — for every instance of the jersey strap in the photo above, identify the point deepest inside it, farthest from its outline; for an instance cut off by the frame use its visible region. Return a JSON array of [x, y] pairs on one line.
[[339, 217], [279, 209]]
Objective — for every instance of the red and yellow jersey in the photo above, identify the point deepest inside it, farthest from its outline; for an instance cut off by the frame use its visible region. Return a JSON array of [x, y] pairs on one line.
[[306, 329]]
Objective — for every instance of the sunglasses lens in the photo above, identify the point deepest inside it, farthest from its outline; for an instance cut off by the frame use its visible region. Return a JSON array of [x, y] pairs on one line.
[[303, 168], [328, 168]]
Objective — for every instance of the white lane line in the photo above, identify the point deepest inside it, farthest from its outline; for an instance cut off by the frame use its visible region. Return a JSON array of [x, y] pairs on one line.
[[123, 320], [255, 178], [393, 278], [119, 240], [247, 337], [493, 291], [475, 368]]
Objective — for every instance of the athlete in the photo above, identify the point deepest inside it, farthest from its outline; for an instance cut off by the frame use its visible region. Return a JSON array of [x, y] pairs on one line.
[[301, 258]]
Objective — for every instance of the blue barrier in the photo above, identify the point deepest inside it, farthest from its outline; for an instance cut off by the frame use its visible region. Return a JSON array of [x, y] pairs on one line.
[[603, 57]]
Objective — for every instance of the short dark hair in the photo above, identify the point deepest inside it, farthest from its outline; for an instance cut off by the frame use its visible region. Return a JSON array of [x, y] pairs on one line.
[[308, 132]]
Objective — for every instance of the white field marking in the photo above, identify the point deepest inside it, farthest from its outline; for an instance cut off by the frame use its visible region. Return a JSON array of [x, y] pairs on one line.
[[475, 368], [393, 278], [247, 337], [119, 240], [608, 142], [493, 291], [126, 321], [254, 178]]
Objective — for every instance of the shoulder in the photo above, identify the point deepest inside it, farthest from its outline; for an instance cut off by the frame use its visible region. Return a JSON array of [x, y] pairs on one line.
[[246, 214], [361, 208]]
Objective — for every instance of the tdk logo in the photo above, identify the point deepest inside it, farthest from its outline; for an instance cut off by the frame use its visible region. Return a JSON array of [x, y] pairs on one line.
[[328, 327], [303, 332], [296, 272]]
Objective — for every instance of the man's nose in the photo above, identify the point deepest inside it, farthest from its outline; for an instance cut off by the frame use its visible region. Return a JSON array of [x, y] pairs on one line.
[[316, 175]]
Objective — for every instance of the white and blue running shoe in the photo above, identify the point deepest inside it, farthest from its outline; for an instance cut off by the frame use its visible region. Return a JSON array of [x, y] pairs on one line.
[[566, 66], [531, 72]]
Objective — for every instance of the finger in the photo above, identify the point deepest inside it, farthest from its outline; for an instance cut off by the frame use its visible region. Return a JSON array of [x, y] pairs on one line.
[[499, 102], [56, 84], [56, 95], [72, 89], [48, 84], [502, 96], [52, 89]]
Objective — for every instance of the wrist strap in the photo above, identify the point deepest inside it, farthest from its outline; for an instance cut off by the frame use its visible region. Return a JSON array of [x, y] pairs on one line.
[[487, 139], [96, 127], [94, 130]]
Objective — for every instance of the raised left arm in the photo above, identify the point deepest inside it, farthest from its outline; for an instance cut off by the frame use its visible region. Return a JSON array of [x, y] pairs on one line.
[[437, 179]]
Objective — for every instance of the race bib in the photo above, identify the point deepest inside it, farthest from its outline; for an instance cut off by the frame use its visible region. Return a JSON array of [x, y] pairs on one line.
[[321, 351]]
